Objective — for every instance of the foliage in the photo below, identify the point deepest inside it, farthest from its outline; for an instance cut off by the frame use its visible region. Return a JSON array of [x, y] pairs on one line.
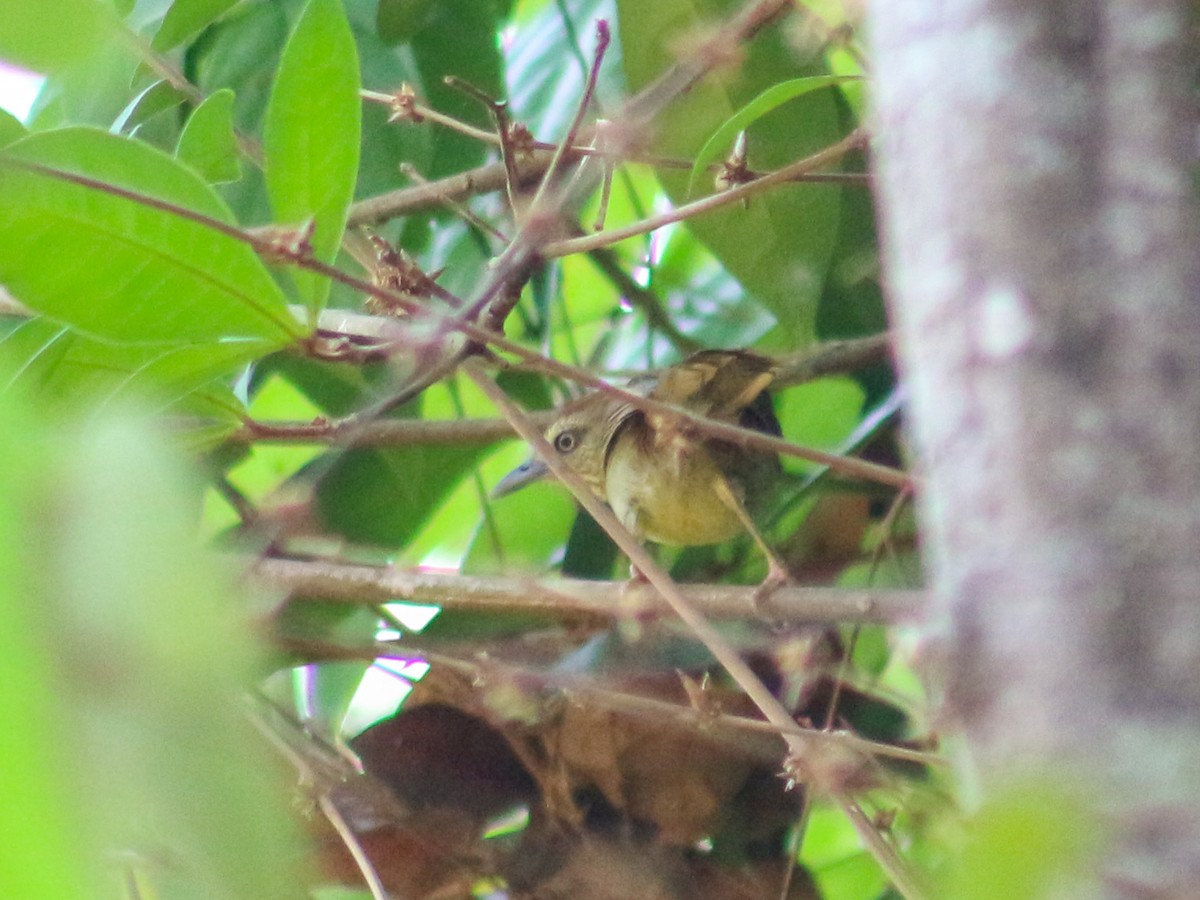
[[192, 227]]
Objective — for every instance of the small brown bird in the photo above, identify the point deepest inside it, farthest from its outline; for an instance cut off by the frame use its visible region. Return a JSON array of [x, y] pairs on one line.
[[667, 481]]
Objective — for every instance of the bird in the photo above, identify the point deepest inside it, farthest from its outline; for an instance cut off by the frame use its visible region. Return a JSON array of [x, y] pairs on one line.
[[665, 479]]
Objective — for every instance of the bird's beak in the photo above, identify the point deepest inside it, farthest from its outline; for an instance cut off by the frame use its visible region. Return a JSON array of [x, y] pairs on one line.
[[526, 473]]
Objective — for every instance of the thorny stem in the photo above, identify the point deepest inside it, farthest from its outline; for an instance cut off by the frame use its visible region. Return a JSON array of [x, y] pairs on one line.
[[884, 853], [499, 111], [833, 357], [855, 140], [422, 112]]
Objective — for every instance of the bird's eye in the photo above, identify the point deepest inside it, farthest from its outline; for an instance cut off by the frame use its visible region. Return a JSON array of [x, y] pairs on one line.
[[565, 442]]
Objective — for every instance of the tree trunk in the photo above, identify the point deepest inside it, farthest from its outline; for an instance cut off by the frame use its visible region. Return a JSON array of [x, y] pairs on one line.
[[1040, 240]]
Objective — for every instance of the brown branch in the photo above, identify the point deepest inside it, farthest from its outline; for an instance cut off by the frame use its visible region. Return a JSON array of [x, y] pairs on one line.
[[853, 141], [385, 432], [827, 359], [756, 738], [830, 358], [489, 178], [593, 601]]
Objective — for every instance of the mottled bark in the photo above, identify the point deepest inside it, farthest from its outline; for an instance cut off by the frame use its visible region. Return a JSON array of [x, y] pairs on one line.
[[1039, 224]]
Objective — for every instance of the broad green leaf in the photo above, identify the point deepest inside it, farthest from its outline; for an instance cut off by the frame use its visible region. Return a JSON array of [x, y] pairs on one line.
[[458, 37], [120, 269], [524, 531], [124, 656], [50, 860], [398, 20], [156, 98], [187, 18], [833, 853], [723, 138], [311, 139], [208, 143], [92, 90], [820, 413], [11, 128], [170, 758], [55, 361], [779, 246], [50, 34], [383, 497]]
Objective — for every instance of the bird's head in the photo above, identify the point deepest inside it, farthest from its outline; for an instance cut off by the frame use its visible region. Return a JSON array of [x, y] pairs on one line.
[[581, 437]]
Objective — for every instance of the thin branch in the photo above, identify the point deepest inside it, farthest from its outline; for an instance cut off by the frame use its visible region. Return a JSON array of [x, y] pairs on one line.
[[853, 141], [461, 210], [406, 108], [756, 738], [643, 299], [353, 846], [384, 432], [489, 178], [600, 602], [602, 41], [832, 358], [903, 879]]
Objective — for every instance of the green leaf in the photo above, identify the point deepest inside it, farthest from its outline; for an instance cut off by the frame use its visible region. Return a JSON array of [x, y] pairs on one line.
[[383, 497], [122, 270], [121, 676], [50, 860], [723, 138], [820, 413], [156, 98], [187, 18], [398, 20], [168, 756], [311, 139], [51, 34], [458, 38], [779, 246], [60, 363], [208, 143], [11, 128]]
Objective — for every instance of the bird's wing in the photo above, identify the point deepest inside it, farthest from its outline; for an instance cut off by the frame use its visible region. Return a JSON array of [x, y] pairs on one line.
[[715, 383]]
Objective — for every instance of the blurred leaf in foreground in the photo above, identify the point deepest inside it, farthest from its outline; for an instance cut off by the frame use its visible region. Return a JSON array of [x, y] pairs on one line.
[[122, 661]]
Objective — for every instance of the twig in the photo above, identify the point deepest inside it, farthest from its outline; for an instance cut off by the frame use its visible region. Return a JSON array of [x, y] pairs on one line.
[[642, 298], [602, 40], [884, 853], [586, 601], [460, 209], [853, 141], [346, 833], [765, 743], [491, 177]]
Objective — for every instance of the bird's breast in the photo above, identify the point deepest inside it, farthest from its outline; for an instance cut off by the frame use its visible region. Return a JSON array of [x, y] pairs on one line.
[[668, 494]]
